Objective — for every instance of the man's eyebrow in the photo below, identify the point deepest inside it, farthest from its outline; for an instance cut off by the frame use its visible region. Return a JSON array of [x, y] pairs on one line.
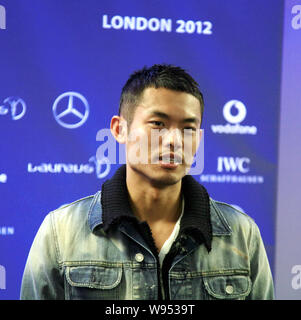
[[192, 119], [166, 116], [160, 114]]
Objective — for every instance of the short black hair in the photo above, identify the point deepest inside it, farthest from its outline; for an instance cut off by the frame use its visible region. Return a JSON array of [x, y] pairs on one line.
[[157, 76]]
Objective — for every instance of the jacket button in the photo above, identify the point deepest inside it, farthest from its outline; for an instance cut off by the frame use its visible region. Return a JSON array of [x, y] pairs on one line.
[[229, 289], [139, 257]]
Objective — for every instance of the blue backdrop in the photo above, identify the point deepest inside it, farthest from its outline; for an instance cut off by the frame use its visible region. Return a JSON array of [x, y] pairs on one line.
[[62, 67]]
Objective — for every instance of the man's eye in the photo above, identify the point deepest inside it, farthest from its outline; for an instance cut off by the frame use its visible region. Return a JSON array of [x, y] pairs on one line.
[[157, 123], [190, 128]]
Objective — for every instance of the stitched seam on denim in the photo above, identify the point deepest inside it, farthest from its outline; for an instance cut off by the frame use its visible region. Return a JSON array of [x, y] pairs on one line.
[[104, 264], [95, 198], [253, 240], [228, 205], [74, 202], [213, 273], [92, 284], [221, 216], [228, 296], [56, 244]]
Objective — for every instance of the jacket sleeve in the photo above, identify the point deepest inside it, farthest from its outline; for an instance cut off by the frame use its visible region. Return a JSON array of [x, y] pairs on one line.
[[261, 276], [42, 277]]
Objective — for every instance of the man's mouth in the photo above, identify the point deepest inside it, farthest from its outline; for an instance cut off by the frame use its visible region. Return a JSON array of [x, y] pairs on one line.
[[170, 160]]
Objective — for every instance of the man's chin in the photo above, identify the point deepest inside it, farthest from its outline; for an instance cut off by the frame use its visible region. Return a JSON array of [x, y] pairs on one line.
[[161, 176]]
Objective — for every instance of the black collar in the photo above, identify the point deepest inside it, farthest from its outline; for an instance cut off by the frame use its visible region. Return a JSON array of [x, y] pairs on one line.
[[196, 218]]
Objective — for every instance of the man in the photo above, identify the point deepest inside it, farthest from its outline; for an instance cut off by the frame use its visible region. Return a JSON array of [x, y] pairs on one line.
[[152, 232]]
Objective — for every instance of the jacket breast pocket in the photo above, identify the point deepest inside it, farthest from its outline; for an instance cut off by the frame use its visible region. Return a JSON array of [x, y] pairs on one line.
[[231, 287], [93, 282]]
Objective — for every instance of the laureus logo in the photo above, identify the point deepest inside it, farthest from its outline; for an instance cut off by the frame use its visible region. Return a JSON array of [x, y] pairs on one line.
[[101, 167]]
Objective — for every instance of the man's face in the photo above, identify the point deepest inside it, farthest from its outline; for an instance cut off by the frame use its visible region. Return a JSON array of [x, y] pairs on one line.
[[164, 135]]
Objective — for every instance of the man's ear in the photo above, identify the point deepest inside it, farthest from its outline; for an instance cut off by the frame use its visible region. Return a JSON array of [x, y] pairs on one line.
[[119, 128]]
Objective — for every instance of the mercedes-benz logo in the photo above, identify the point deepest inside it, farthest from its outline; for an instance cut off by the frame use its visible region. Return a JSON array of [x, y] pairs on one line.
[[70, 110]]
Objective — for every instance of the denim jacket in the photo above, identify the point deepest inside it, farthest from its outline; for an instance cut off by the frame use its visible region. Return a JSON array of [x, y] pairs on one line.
[[73, 258]]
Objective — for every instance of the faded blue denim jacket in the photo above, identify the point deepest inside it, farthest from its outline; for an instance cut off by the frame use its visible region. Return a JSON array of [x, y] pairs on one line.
[[73, 258]]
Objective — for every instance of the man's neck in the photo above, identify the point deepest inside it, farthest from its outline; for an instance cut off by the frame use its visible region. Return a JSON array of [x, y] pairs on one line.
[[150, 203]]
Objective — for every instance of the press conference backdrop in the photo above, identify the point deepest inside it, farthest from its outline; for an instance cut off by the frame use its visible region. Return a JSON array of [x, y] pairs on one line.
[[62, 67]]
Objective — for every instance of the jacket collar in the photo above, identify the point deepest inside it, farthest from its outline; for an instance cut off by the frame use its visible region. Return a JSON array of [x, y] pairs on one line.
[[201, 217]]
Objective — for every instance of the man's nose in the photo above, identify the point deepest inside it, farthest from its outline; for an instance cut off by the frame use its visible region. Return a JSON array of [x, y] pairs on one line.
[[173, 139]]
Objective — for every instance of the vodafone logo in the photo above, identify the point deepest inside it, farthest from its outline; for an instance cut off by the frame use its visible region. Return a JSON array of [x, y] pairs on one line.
[[3, 178], [239, 114], [234, 112]]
